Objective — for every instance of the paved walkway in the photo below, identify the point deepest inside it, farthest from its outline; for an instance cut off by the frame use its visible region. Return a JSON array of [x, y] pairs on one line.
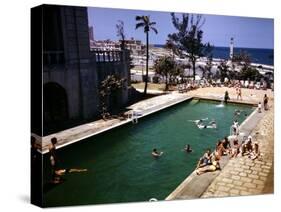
[[243, 176]]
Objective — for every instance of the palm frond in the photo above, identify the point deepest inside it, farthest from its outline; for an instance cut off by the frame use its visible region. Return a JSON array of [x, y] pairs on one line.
[[139, 18], [154, 29], [138, 25], [152, 23]]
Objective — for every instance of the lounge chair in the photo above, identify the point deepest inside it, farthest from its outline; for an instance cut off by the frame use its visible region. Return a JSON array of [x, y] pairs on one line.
[[257, 85], [246, 84]]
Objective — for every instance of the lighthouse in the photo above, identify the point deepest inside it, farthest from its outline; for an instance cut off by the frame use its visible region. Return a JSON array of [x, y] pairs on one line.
[[231, 49]]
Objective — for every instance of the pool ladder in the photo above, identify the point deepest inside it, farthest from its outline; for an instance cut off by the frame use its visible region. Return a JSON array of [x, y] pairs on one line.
[[134, 117]]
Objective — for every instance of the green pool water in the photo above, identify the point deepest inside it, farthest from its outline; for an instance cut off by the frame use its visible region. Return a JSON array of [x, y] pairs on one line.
[[119, 162]]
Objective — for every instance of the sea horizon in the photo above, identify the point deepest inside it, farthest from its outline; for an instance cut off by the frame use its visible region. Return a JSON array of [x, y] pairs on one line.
[[239, 47], [258, 55]]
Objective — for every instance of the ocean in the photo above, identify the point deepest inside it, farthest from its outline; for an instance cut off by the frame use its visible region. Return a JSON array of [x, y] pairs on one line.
[[261, 56]]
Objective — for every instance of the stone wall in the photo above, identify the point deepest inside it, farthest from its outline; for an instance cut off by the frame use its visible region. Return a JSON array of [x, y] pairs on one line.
[[74, 67]]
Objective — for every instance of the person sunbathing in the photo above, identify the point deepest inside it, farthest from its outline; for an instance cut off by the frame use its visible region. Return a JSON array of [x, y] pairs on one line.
[[205, 160], [235, 149], [220, 150], [210, 168], [256, 151], [247, 147]]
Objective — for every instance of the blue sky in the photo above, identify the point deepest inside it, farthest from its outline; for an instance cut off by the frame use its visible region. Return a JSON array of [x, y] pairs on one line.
[[247, 32]]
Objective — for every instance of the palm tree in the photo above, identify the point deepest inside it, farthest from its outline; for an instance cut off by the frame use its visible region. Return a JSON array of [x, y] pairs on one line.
[[144, 21]]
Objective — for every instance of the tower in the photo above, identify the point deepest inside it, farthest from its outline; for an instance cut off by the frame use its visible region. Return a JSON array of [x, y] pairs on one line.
[[91, 33], [231, 48]]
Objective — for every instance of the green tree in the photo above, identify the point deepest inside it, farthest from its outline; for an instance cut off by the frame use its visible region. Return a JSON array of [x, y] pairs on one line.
[[250, 74], [110, 84], [189, 38], [144, 21], [171, 46], [247, 72], [167, 68], [207, 68], [223, 69], [242, 59]]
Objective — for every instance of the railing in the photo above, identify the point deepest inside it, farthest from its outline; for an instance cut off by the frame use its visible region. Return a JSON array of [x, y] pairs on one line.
[[53, 57], [108, 56]]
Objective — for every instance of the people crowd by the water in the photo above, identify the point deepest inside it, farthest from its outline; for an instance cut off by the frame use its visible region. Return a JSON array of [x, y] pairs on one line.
[[210, 161]]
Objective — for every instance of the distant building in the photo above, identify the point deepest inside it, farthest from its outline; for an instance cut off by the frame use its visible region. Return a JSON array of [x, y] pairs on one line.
[[135, 46], [105, 45], [231, 48], [91, 33]]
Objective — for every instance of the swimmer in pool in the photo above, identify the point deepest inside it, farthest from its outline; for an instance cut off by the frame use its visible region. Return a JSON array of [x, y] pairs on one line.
[[156, 154], [60, 172], [198, 121], [64, 171], [188, 148], [212, 125], [237, 112]]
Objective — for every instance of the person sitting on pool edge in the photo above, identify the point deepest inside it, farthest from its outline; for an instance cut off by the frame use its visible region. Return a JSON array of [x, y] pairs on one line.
[[256, 151], [205, 160], [156, 154], [215, 165], [188, 148]]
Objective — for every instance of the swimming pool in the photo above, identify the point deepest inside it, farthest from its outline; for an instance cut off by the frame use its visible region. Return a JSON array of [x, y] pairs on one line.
[[119, 162]]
